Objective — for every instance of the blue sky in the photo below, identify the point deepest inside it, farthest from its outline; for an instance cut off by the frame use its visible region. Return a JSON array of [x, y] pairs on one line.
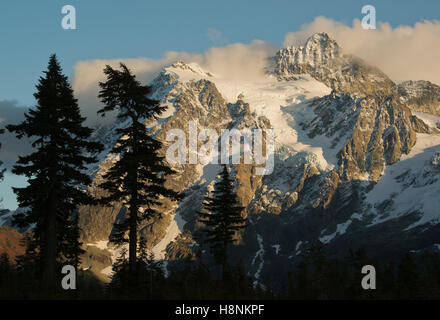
[[31, 30]]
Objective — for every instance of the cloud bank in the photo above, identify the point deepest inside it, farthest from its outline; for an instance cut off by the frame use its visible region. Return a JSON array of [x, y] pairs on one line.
[[234, 61], [403, 53]]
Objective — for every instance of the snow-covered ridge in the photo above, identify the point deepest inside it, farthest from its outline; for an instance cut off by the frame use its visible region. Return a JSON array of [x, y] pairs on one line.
[[410, 185], [187, 71]]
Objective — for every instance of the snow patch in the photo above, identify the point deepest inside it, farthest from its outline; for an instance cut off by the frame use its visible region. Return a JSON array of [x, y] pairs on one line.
[[260, 255], [410, 185], [340, 229], [297, 248], [174, 229]]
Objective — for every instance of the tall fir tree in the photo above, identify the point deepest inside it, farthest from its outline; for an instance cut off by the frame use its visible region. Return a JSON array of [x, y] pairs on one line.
[[222, 216], [409, 282], [137, 179], [55, 171]]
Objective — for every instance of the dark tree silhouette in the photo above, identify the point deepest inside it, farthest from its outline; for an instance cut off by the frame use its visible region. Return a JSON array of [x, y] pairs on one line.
[[137, 178], [55, 171], [222, 216]]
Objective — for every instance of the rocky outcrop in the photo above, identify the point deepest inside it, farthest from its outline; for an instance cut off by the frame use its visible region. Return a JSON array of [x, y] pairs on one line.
[[421, 96], [378, 131], [324, 59], [364, 108]]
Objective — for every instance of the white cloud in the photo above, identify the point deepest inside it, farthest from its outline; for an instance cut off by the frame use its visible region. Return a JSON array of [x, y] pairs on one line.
[[88, 74], [403, 53], [234, 61]]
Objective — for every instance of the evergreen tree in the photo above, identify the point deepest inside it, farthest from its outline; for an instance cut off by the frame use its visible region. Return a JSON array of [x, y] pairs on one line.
[[55, 171], [150, 273], [70, 241], [355, 261], [317, 259], [137, 178], [222, 216], [302, 280], [408, 279]]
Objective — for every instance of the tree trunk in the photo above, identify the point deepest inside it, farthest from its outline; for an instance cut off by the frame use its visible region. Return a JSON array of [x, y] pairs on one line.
[[133, 237], [50, 256], [133, 210], [224, 258]]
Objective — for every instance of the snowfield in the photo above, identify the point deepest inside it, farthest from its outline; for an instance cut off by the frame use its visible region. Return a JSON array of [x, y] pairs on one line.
[[282, 102], [412, 183]]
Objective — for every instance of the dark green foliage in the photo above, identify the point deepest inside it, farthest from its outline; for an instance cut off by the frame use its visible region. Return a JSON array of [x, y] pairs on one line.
[[412, 279], [5, 269], [195, 281], [409, 284], [144, 282], [55, 171], [137, 178], [318, 276], [70, 243], [222, 216]]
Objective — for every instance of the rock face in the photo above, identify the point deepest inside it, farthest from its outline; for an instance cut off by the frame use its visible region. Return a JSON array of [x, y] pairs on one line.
[[377, 130], [422, 96], [324, 59], [353, 166]]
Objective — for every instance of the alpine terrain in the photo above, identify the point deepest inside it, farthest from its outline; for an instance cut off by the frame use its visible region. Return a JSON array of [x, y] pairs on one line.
[[356, 162]]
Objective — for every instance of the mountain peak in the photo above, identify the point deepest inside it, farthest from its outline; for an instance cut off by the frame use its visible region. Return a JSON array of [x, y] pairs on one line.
[[192, 67], [316, 40], [324, 60], [319, 36], [323, 47], [319, 49]]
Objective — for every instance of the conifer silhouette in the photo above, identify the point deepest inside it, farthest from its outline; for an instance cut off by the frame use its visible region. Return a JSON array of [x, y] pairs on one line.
[[55, 171]]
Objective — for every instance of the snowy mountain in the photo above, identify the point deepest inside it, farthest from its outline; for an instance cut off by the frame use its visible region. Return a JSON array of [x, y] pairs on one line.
[[356, 160]]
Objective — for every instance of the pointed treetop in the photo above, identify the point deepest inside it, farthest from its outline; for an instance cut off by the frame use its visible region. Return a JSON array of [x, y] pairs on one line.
[[54, 65]]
